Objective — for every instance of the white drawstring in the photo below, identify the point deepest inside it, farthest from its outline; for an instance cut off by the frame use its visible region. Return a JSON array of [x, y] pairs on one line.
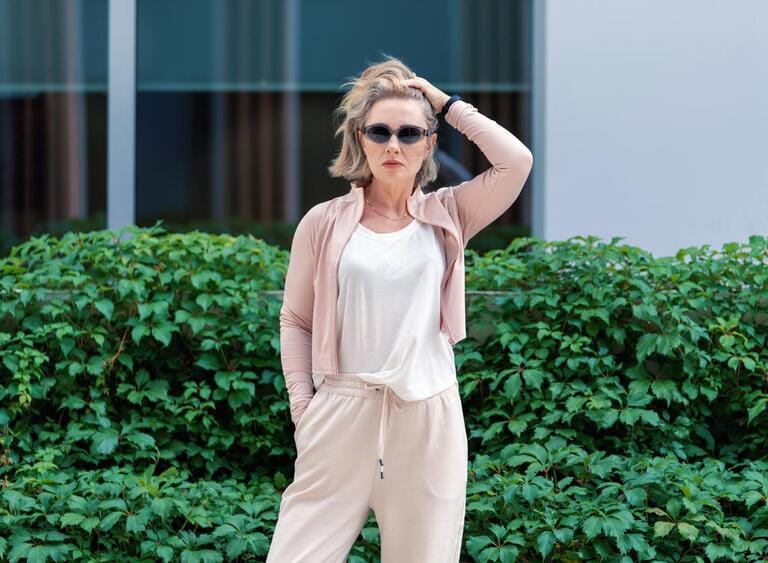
[[384, 418]]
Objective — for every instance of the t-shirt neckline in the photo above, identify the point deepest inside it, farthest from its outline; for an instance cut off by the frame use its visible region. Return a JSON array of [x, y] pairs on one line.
[[394, 234]]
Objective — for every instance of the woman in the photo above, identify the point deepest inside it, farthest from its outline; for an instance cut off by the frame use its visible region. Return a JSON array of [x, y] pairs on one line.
[[373, 304]]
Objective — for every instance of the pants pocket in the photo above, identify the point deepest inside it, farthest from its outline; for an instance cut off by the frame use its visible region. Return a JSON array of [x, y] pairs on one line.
[[303, 420]]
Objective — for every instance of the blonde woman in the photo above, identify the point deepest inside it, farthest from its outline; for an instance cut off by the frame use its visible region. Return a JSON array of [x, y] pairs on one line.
[[373, 305]]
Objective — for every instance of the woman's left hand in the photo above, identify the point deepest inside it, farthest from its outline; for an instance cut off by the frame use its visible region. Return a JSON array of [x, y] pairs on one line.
[[434, 95]]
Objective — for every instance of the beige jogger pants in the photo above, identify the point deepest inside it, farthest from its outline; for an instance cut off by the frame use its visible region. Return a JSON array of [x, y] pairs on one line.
[[361, 448]]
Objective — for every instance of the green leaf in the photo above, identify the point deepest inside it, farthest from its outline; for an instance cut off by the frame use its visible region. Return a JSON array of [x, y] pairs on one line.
[[545, 542], [756, 409], [630, 416], [752, 497], [204, 300], [235, 547], [136, 522], [533, 378], [104, 442], [690, 390], [646, 345], [575, 404], [662, 528], [512, 386], [616, 526], [508, 553], [687, 531], [536, 450], [635, 496], [66, 344], [223, 379], [664, 389], [105, 307], [650, 417], [517, 427], [162, 332], [71, 519], [138, 332], [592, 526], [41, 553], [564, 535], [95, 366], [145, 310], [110, 520], [197, 324], [209, 362], [144, 441], [530, 492], [162, 506], [609, 417], [90, 523], [727, 341], [715, 551], [164, 552], [639, 386], [181, 316]]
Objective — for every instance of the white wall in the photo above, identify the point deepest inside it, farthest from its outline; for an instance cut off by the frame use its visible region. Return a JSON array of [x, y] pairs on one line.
[[652, 121]]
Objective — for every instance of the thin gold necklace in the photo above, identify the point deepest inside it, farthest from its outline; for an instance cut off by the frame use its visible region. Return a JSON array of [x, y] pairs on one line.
[[405, 216]]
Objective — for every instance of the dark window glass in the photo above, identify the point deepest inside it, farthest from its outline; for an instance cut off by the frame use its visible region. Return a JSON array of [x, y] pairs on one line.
[[53, 114]]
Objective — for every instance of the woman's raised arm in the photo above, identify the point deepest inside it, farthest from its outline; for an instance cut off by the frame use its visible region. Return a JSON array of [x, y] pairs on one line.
[[481, 200], [485, 197]]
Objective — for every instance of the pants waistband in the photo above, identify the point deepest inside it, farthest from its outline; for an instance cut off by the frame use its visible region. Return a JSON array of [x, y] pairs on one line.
[[351, 384], [348, 380]]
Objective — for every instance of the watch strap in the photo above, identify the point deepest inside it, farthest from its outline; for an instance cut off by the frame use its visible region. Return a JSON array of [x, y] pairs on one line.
[[448, 103]]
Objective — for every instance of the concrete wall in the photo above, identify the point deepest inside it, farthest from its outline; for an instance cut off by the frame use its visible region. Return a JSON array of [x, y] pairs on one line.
[[651, 121]]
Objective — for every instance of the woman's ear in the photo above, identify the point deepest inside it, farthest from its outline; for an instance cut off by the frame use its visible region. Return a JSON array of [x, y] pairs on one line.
[[433, 142], [360, 142]]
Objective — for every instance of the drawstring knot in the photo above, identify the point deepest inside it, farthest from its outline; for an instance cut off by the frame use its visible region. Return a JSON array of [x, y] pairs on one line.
[[383, 419]]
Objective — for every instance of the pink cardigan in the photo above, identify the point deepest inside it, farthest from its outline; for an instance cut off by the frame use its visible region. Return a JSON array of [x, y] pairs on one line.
[[308, 347]]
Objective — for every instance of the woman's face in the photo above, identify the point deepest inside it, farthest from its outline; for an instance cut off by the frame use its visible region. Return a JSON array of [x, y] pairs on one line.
[[396, 112]]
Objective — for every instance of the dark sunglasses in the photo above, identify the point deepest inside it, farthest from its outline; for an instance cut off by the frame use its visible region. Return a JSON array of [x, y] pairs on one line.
[[407, 134]]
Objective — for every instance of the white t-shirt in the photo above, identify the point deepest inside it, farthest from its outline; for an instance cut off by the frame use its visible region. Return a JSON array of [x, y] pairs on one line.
[[388, 311]]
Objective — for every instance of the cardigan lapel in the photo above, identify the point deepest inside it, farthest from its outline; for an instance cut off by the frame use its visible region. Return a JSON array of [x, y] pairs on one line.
[[426, 208]]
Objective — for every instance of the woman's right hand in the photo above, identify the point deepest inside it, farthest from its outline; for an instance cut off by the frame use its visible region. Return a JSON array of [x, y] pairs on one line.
[[436, 97]]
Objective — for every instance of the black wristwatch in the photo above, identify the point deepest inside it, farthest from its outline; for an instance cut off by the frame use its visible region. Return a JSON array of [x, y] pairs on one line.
[[447, 104]]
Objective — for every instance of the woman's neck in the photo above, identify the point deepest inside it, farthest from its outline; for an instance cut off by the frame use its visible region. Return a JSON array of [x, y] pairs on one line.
[[389, 199]]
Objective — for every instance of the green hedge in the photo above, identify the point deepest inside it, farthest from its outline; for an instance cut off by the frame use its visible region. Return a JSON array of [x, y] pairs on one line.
[[615, 403], [277, 233]]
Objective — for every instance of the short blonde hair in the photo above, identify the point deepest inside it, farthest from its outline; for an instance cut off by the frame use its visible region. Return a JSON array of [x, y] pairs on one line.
[[378, 81]]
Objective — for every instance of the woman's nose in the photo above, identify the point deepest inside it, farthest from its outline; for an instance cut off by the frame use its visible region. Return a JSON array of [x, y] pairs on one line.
[[393, 142]]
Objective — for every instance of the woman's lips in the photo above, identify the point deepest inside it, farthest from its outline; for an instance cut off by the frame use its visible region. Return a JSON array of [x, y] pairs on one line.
[[392, 164]]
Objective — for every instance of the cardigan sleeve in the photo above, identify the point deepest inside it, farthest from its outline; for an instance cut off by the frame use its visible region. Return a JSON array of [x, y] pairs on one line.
[[482, 199], [296, 320]]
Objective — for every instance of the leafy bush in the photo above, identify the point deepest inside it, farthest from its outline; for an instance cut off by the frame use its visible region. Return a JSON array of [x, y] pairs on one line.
[[276, 233], [616, 404]]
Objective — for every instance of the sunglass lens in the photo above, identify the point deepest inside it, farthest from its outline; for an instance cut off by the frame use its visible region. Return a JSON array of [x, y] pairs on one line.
[[379, 134], [410, 135]]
